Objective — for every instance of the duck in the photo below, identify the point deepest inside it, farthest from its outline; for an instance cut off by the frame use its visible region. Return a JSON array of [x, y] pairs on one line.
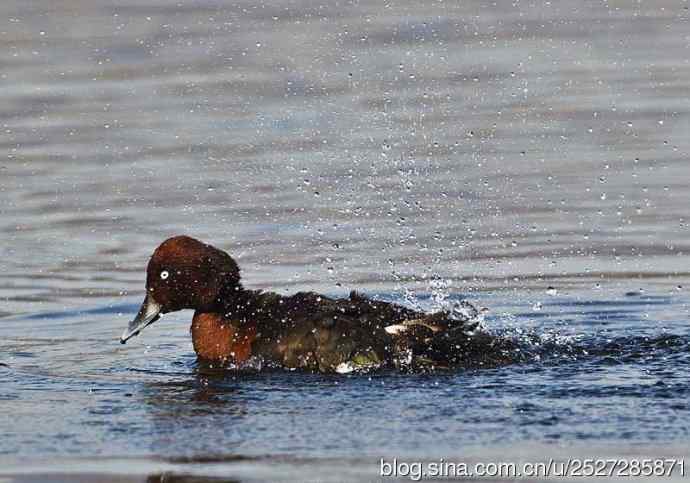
[[236, 327]]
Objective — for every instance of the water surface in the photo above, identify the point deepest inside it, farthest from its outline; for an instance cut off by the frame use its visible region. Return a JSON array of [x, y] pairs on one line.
[[532, 157]]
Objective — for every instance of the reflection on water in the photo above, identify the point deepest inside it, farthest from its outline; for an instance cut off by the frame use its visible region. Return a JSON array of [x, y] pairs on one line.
[[174, 478], [531, 156]]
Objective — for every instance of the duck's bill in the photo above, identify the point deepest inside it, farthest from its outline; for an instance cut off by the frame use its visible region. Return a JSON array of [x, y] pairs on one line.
[[148, 313]]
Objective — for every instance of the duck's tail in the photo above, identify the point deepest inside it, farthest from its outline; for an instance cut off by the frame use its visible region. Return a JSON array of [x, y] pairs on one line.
[[449, 339]]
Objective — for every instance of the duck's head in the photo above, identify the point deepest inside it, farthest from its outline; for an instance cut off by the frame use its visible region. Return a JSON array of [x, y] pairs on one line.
[[184, 273]]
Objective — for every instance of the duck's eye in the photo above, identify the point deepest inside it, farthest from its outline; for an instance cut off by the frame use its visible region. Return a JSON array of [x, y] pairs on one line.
[[165, 274]]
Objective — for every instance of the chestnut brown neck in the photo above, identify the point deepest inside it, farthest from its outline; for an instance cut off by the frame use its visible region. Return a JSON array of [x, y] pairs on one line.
[[230, 296]]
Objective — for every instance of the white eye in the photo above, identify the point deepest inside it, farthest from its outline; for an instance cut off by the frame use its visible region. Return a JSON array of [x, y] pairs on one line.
[[165, 274]]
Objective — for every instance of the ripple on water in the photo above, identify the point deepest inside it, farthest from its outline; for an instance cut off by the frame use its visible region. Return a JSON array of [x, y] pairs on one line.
[[498, 153], [586, 379]]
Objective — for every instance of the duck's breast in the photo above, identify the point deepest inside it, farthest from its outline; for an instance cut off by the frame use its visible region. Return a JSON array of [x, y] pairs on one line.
[[216, 338]]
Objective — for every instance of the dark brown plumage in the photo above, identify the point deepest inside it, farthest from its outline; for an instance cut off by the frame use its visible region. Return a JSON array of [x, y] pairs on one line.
[[233, 325]]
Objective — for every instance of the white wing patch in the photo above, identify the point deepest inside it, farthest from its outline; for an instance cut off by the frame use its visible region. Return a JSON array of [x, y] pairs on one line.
[[397, 329]]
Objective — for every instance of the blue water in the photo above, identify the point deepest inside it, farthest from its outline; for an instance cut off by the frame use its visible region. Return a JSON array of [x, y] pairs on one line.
[[612, 371], [531, 156]]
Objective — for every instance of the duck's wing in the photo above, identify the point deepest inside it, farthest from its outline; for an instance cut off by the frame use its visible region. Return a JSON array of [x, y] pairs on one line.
[[319, 333], [360, 333]]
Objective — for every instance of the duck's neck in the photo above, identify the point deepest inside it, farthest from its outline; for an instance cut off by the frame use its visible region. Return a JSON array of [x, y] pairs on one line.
[[235, 303]]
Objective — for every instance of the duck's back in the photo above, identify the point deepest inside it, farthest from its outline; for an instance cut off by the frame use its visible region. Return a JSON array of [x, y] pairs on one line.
[[320, 333], [312, 331]]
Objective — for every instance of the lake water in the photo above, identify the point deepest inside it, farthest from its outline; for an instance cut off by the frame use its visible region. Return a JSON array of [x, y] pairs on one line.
[[529, 156]]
